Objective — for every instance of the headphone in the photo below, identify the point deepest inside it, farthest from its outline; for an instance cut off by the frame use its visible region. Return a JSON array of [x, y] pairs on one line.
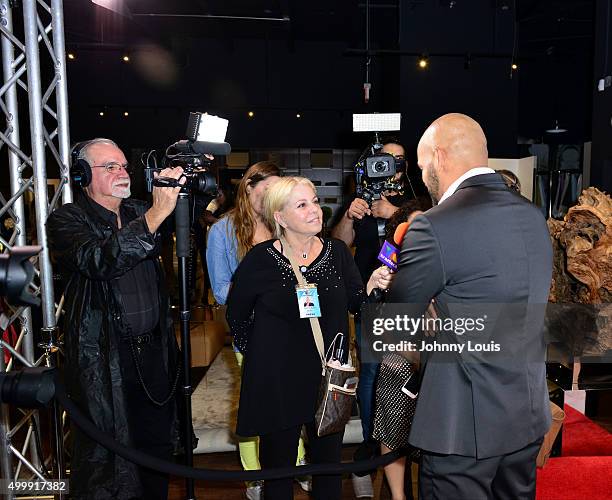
[[80, 170]]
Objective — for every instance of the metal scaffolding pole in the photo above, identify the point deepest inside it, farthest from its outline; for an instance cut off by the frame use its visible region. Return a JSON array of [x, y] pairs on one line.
[[57, 22], [43, 38], [19, 236]]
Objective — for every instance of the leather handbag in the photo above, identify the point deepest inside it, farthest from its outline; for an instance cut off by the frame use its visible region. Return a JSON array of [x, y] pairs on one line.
[[337, 394], [338, 389]]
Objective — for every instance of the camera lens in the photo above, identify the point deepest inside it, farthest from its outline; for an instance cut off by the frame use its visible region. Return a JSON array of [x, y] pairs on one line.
[[205, 183], [380, 166]]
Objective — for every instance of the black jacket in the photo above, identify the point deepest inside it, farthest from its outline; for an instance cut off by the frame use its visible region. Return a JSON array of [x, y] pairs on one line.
[[483, 251], [282, 369], [90, 252]]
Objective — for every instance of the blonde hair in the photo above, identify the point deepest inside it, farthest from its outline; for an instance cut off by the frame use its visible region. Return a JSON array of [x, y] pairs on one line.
[[276, 199], [242, 215]]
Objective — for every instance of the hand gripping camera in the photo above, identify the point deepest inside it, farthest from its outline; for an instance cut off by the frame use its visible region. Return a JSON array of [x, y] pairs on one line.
[[205, 137]]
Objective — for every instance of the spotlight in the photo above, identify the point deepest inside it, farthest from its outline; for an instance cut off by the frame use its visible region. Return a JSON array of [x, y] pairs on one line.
[[251, 114], [28, 388], [71, 56], [125, 113], [514, 66], [126, 58], [298, 115], [423, 62], [101, 113], [556, 129]]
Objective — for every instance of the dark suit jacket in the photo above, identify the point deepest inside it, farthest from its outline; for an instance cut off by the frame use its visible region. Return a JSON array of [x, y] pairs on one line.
[[483, 245]]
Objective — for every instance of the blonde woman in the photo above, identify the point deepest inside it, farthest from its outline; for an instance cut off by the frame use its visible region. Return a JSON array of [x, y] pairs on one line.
[[229, 240], [282, 369]]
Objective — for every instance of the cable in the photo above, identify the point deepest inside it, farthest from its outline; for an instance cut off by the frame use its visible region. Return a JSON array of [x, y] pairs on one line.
[[157, 464]]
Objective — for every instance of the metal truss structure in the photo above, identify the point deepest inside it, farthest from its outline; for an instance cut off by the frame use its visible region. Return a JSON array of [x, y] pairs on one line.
[[34, 71]]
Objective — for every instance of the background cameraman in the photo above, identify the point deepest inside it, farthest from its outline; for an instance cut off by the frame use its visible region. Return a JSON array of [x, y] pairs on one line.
[[359, 227]]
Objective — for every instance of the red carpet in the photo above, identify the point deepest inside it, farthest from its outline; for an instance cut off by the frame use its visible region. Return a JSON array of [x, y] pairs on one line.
[[584, 438], [585, 469], [575, 478]]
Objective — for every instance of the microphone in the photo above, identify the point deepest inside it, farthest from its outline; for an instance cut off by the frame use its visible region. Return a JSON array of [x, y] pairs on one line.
[[400, 232], [202, 147], [389, 252]]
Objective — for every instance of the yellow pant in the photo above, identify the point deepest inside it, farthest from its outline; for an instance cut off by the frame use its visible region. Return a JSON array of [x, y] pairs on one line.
[[249, 446]]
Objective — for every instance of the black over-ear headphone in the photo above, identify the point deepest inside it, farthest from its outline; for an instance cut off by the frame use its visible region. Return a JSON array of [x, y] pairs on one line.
[[80, 170]]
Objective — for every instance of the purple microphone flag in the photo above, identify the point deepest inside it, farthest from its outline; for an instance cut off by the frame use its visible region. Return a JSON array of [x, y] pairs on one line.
[[388, 255]]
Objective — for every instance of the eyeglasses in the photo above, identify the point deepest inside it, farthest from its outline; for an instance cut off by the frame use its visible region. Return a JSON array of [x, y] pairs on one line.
[[114, 167]]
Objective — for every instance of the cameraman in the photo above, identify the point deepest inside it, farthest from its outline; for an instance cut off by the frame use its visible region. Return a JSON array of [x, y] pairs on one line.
[[121, 352], [359, 226]]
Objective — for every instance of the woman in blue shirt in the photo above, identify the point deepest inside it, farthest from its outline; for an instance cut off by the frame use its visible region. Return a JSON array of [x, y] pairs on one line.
[[240, 229]]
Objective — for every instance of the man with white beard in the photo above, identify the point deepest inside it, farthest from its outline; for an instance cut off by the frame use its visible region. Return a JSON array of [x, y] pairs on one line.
[[121, 353]]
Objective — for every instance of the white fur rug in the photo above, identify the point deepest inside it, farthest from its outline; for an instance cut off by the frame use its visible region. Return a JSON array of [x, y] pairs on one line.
[[215, 403]]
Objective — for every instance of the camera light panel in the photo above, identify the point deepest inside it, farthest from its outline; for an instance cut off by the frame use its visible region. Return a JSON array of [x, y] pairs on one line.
[[212, 128], [376, 122]]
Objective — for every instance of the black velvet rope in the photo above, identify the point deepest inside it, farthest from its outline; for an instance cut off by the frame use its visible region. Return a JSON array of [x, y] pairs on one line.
[[144, 460]]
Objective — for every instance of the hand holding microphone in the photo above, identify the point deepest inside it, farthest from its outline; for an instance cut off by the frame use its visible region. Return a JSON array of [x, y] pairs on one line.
[[388, 254], [381, 278]]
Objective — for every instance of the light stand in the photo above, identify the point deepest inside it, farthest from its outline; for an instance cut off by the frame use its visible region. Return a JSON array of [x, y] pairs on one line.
[[183, 225]]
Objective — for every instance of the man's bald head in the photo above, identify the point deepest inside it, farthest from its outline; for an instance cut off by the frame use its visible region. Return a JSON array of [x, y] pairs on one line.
[[451, 145]]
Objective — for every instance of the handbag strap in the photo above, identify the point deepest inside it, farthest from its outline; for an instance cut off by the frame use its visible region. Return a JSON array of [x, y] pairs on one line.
[[314, 322]]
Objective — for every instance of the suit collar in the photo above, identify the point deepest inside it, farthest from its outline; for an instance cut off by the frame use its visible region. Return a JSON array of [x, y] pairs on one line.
[[473, 172], [482, 180]]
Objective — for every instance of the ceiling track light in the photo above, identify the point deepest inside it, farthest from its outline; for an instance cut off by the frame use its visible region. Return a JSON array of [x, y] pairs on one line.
[[556, 130], [423, 62]]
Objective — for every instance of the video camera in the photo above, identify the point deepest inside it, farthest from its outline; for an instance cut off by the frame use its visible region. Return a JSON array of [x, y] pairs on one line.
[[30, 387], [205, 137], [375, 170]]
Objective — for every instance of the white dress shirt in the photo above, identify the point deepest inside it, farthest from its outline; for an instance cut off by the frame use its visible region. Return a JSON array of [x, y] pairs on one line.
[[470, 173]]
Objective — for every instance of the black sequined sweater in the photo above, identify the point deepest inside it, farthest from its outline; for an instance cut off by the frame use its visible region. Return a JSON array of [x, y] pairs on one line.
[[282, 369]]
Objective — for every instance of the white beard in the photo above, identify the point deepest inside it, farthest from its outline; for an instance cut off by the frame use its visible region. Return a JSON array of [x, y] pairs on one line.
[[121, 191]]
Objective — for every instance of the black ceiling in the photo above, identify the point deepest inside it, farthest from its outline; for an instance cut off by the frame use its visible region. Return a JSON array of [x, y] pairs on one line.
[[552, 40], [544, 26]]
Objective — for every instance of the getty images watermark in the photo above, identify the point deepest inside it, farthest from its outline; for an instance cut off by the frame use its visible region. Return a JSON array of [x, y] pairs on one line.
[[476, 333], [430, 327]]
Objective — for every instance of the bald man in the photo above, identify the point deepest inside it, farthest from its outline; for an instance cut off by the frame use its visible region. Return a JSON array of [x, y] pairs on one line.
[[480, 416]]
